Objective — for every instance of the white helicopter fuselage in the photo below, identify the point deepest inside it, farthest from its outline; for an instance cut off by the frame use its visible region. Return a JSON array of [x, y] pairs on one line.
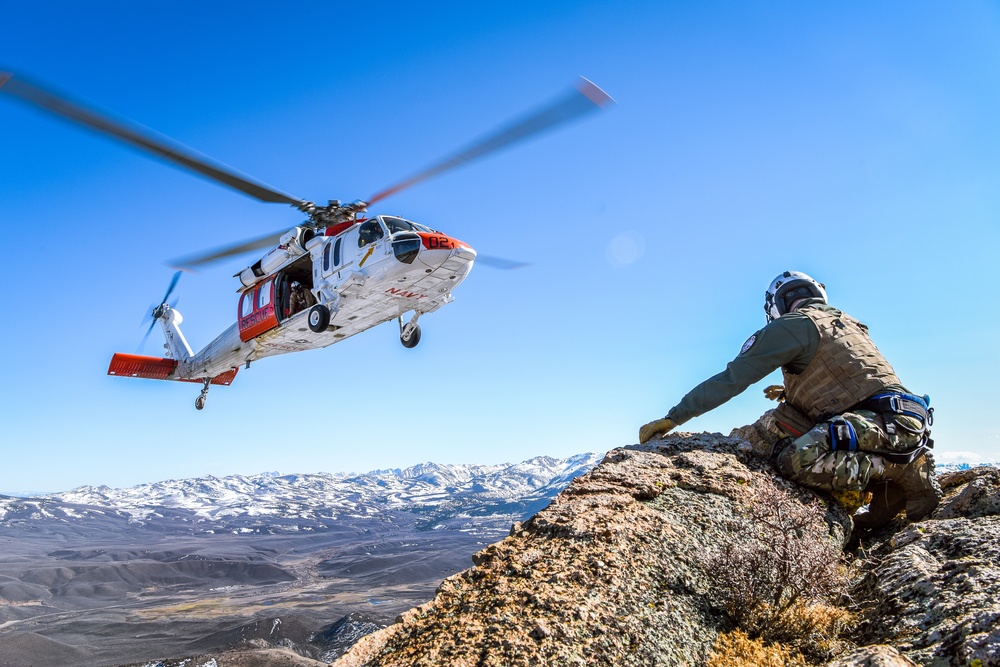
[[373, 271]]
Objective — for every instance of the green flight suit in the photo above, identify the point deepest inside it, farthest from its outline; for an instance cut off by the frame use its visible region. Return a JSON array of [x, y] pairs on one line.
[[790, 342]]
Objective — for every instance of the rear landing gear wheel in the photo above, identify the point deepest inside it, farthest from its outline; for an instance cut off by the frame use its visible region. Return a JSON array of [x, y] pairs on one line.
[[414, 338], [199, 402], [319, 318]]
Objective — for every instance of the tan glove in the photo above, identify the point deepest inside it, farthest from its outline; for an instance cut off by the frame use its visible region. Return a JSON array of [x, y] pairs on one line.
[[775, 392], [656, 429]]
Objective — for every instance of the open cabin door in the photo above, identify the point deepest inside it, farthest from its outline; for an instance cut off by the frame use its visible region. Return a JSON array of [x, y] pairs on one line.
[[258, 311], [269, 303]]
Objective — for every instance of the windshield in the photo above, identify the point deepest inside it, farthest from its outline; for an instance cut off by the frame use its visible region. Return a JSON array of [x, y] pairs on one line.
[[394, 224]]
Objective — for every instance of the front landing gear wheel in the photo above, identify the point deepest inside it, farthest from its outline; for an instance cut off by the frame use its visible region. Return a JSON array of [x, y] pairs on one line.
[[411, 342], [409, 334], [319, 318], [200, 402], [414, 338]]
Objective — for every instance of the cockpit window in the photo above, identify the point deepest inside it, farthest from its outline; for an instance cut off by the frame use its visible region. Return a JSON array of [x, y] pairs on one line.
[[369, 232], [400, 225], [396, 224]]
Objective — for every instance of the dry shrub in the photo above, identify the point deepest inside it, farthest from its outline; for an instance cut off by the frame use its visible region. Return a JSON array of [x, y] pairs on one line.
[[736, 649], [812, 628], [777, 576]]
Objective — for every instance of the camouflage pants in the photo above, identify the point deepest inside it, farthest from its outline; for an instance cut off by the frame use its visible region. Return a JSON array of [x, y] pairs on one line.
[[812, 461]]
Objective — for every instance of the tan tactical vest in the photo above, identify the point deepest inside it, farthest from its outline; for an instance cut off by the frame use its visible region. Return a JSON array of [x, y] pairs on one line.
[[846, 370]]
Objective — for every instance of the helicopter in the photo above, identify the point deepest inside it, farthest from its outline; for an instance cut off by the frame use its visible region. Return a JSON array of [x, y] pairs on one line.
[[336, 274]]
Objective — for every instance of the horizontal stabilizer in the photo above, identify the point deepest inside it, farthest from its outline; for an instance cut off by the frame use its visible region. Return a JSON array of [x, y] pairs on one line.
[[156, 368], [138, 366]]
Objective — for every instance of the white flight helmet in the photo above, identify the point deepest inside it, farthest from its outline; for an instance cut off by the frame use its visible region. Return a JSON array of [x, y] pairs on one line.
[[788, 288]]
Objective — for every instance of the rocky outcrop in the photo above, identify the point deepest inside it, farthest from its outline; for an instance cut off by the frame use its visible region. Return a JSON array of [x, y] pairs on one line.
[[622, 569], [616, 571], [932, 589]]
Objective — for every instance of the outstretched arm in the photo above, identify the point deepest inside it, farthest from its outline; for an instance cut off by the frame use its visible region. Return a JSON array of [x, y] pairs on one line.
[[789, 340]]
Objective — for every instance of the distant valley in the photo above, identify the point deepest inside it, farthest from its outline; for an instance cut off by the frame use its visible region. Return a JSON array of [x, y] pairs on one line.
[[103, 576]]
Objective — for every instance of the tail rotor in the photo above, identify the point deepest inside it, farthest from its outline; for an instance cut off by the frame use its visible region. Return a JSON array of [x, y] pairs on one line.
[[156, 312]]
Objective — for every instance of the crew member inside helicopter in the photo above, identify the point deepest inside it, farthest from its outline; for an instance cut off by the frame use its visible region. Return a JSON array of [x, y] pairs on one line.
[[369, 232], [300, 298]]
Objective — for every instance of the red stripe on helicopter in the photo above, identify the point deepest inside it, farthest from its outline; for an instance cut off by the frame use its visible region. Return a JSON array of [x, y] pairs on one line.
[[333, 230], [434, 241]]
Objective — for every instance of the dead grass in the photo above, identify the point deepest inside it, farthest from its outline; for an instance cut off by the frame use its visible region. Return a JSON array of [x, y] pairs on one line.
[[737, 649], [813, 629]]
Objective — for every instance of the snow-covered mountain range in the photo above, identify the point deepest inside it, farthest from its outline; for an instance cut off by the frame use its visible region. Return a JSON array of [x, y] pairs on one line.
[[477, 498], [464, 497]]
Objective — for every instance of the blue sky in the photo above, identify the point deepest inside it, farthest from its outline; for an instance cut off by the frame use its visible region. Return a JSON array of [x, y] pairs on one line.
[[852, 141]]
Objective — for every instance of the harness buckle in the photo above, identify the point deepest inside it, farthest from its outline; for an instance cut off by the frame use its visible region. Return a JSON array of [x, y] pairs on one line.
[[842, 435]]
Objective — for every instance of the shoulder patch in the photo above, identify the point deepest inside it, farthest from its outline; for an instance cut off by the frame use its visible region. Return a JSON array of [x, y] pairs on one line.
[[747, 345]]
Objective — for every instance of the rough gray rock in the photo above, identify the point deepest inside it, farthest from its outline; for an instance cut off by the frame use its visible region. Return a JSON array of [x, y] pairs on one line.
[[878, 655], [971, 494], [613, 572], [932, 588]]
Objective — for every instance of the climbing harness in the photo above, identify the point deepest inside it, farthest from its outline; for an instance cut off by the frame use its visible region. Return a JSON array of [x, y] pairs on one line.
[[894, 404]]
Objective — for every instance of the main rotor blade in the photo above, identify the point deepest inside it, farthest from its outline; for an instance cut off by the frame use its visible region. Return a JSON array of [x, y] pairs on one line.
[[193, 261], [500, 262], [141, 138], [586, 97]]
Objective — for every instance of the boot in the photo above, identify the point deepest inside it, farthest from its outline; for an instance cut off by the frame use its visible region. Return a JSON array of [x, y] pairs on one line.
[[887, 501], [918, 485]]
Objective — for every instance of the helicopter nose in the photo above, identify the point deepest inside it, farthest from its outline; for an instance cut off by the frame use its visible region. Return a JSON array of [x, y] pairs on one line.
[[447, 253], [437, 241], [439, 248]]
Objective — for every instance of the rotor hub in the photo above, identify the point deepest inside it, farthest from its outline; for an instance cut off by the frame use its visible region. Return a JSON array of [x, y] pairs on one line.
[[333, 213]]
